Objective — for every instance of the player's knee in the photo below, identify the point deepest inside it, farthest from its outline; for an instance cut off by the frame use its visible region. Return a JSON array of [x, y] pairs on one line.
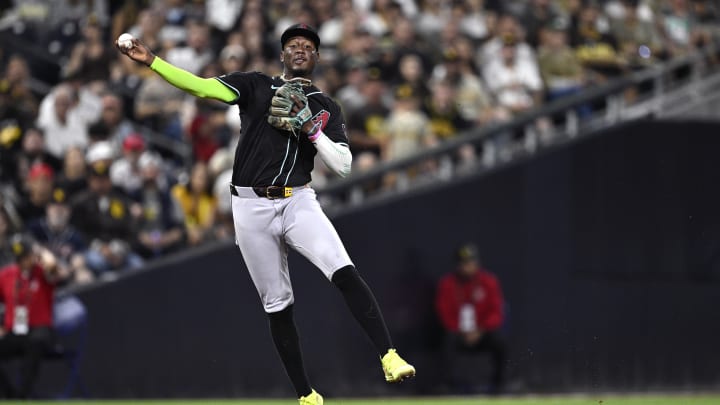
[[281, 315], [278, 303], [344, 276]]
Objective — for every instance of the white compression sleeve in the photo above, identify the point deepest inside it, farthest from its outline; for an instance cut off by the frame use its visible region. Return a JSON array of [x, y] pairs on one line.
[[336, 156]]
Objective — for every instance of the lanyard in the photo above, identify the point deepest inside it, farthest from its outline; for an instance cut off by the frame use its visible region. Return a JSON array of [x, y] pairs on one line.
[[19, 301]]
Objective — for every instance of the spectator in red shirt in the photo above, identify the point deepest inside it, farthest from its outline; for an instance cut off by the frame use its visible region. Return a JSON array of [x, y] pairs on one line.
[[27, 287], [469, 303]]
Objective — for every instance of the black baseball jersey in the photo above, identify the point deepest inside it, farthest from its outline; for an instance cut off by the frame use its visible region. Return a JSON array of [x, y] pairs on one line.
[[267, 156]]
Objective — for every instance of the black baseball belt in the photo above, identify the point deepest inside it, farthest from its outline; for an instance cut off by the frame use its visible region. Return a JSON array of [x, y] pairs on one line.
[[271, 192]]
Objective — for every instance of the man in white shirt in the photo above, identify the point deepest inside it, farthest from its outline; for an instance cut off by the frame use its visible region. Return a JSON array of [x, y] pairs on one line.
[[515, 81], [507, 26], [65, 116]]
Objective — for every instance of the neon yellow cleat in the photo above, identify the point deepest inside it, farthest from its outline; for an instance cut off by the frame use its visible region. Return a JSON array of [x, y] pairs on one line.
[[396, 369], [313, 399]]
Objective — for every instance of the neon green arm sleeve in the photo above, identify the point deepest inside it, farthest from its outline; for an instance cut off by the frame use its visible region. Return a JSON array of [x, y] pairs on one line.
[[197, 86]]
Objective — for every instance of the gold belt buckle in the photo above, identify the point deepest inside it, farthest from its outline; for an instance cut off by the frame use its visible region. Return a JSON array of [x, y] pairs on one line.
[[267, 193], [286, 192]]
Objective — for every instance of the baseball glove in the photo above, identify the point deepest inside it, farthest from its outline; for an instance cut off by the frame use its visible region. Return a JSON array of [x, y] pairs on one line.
[[289, 108]]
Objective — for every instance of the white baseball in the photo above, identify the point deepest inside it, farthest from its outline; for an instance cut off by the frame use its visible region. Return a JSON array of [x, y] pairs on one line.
[[125, 41]]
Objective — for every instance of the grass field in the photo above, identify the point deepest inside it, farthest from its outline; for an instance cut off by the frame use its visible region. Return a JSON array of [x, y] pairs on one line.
[[529, 400]]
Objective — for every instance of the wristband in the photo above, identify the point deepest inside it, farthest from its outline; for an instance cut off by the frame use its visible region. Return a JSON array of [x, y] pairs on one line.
[[315, 132]]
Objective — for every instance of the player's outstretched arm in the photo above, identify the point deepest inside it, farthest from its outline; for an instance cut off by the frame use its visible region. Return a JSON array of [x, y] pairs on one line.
[[180, 78]]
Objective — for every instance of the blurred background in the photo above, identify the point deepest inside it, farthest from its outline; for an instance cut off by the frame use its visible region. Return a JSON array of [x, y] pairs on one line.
[[573, 142]]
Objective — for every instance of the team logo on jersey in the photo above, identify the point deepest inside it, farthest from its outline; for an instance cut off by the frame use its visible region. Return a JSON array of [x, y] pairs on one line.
[[322, 117]]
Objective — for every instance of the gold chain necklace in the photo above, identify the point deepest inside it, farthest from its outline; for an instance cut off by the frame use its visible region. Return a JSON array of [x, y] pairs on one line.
[[303, 81]]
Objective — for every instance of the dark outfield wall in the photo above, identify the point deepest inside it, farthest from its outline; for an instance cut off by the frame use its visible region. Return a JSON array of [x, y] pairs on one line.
[[608, 253]]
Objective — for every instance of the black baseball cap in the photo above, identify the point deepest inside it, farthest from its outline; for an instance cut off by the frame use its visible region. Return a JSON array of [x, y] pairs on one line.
[[100, 169], [300, 30], [21, 245], [467, 252]]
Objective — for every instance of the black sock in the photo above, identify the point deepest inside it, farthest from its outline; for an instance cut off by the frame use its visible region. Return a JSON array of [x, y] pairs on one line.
[[363, 306], [287, 343]]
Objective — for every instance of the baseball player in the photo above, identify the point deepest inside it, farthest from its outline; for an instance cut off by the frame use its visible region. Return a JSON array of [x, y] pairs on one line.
[[286, 121]]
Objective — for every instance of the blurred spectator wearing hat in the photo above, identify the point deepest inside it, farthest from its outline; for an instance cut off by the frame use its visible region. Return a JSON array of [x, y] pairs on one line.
[[406, 131], [595, 45], [125, 171], [73, 176], [38, 184], [30, 150], [102, 152], [469, 303], [106, 216], [160, 225], [407, 127], [560, 68], [26, 288], [54, 232]]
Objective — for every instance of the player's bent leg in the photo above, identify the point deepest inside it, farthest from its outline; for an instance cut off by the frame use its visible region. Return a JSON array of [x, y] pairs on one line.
[[285, 336], [311, 233], [365, 309]]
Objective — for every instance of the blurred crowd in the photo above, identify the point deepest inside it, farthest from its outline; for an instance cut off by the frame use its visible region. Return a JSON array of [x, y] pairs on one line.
[[90, 164]]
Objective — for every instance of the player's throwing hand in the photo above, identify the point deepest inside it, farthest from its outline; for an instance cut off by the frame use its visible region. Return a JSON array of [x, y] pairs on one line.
[[138, 51]]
